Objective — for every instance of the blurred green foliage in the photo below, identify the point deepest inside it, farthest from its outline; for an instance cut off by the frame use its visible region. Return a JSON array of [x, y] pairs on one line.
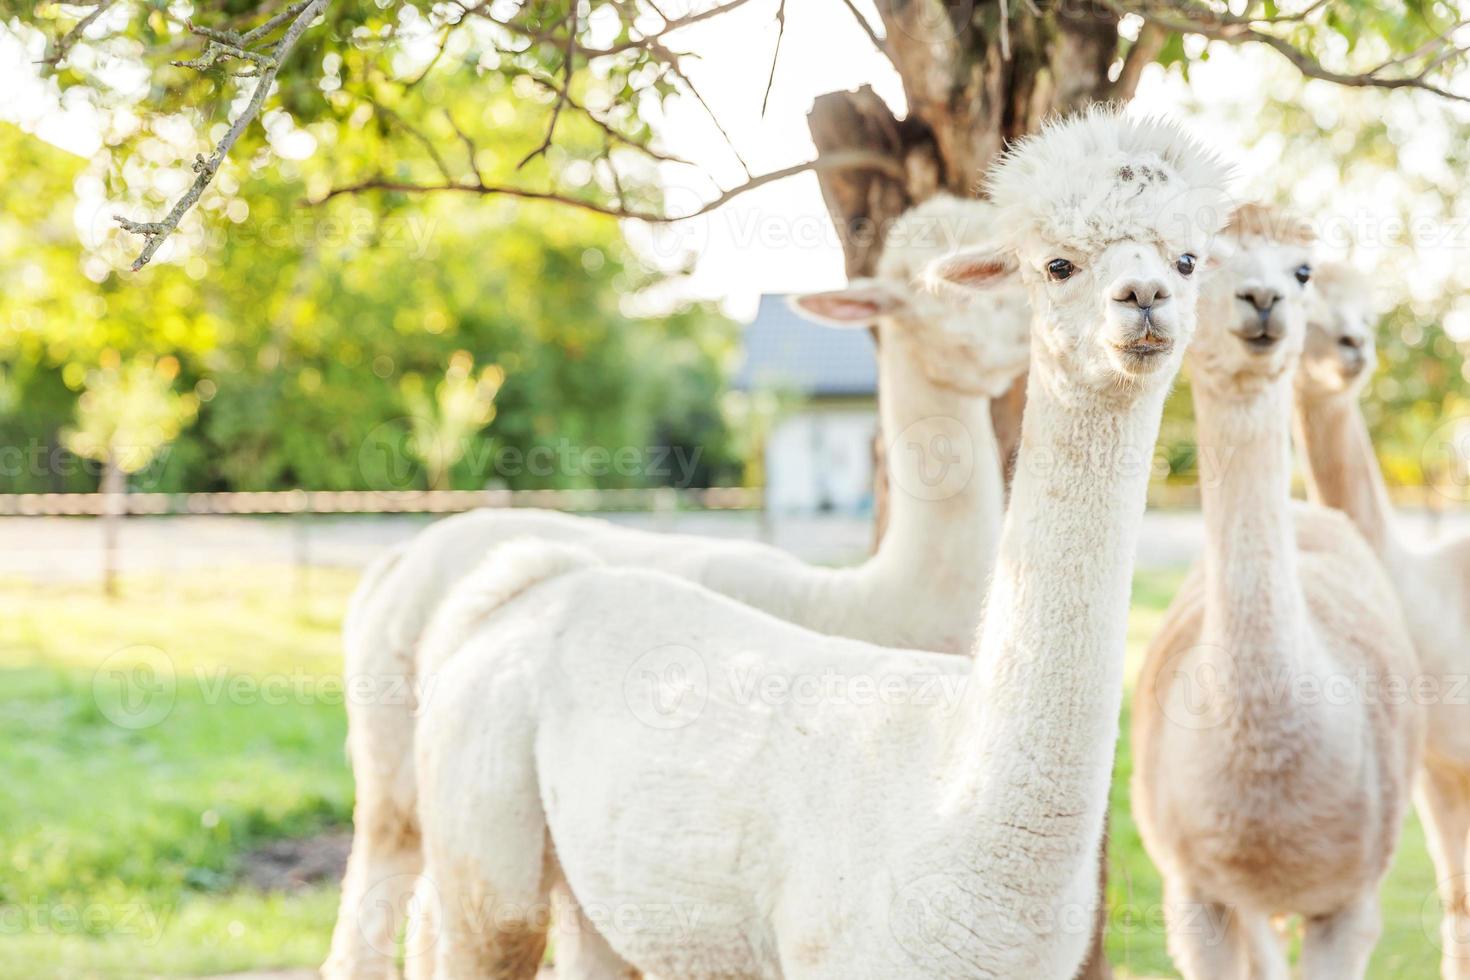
[[301, 330], [1380, 175], [305, 332]]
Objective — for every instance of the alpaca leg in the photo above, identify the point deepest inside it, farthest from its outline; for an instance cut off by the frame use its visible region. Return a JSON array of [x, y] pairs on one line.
[[489, 863], [1204, 937], [376, 891], [422, 933], [385, 859], [1265, 952], [483, 914], [580, 951], [476, 938], [1338, 946], [1442, 795]]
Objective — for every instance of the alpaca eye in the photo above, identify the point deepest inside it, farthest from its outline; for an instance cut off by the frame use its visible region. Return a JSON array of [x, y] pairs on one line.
[[1060, 269], [1303, 274], [1185, 265]]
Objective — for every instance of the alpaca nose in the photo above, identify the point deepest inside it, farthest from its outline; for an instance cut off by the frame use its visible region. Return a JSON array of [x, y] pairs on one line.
[[1142, 293], [1263, 298]]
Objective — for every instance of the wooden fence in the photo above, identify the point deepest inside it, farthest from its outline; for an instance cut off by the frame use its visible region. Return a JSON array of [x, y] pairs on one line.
[[373, 501]]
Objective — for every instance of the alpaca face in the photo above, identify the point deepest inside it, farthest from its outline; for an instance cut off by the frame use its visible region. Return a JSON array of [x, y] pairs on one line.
[[977, 345], [1253, 313], [1340, 352], [1108, 316], [1115, 314], [1108, 219], [973, 344]]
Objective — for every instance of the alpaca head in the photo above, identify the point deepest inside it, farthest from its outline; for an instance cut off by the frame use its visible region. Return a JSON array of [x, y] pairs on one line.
[[973, 343], [1339, 355], [1107, 220], [1253, 311]]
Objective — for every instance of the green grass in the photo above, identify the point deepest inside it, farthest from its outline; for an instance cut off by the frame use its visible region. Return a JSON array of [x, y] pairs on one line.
[[120, 844]]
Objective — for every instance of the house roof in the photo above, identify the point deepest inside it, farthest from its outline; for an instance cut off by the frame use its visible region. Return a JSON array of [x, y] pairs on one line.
[[783, 350]]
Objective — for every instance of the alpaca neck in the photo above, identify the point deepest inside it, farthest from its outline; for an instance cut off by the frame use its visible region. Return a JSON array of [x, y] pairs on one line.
[[945, 492], [1255, 611], [1342, 469], [1033, 747]]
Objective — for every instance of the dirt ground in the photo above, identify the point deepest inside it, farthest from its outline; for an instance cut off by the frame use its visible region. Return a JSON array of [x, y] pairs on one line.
[[287, 865]]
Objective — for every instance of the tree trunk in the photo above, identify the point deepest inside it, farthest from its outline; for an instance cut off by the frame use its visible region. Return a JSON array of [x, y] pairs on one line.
[[971, 87], [976, 75]]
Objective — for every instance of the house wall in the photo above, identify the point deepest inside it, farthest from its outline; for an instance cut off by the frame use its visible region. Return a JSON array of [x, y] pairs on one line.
[[820, 459]]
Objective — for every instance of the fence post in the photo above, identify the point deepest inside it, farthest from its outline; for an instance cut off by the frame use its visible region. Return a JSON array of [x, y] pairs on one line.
[[299, 503], [114, 506]]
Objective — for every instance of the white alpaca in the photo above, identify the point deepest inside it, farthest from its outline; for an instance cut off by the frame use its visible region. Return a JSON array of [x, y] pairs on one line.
[[1272, 769], [1433, 582], [728, 795], [940, 360]]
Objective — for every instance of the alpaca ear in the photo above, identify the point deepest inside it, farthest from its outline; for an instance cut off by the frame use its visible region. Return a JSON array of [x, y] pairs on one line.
[[862, 302], [980, 267]]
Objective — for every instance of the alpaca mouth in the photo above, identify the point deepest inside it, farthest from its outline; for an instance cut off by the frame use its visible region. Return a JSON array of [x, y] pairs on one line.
[[1258, 337], [1145, 352]]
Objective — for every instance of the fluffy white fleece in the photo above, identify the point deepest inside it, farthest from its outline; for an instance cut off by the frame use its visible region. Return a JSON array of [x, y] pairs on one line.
[[940, 358], [616, 730]]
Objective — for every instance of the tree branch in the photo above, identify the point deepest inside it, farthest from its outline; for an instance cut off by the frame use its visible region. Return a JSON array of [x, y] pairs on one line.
[[671, 61], [834, 161], [642, 41], [565, 92], [775, 55], [873, 35], [1151, 38], [155, 233], [65, 43], [608, 128], [1230, 29]]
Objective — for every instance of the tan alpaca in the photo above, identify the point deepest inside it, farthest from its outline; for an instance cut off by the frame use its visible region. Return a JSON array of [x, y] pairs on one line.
[[1272, 771], [1433, 582]]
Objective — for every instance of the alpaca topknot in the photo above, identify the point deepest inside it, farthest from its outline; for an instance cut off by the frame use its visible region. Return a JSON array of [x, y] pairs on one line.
[[930, 229], [1255, 222], [1339, 282], [1101, 176]]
